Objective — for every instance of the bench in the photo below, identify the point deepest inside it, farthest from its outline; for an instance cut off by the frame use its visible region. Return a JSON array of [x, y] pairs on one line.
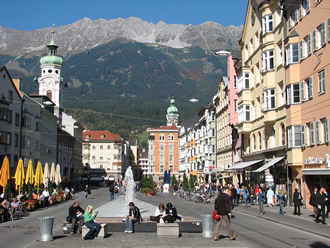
[[102, 233], [116, 224], [168, 229]]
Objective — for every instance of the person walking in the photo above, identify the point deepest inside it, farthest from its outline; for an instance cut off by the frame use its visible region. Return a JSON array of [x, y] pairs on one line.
[[93, 226], [261, 199], [270, 197], [112, 190], [297, 202], [87, 191], [313, 201], [222, 205], [281, 201], [321, 206]]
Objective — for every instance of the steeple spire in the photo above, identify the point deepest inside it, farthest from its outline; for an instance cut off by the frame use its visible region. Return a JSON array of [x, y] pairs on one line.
[[52, 48]]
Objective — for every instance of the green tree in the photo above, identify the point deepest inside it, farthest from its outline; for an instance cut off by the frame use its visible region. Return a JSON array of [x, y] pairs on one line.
[[174, 181], [185, 182], [191, 182]]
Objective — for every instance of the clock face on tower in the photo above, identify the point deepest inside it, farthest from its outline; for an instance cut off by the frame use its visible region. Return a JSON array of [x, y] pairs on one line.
[[49, 82]]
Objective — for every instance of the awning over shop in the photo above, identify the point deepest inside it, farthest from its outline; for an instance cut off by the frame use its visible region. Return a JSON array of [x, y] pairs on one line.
[[316, 172], [269, 164], [225, 177], [243, 165]]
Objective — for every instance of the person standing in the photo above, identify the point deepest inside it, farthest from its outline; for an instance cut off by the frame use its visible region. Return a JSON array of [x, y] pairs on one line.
[[297, 202], [261, 199], [233, 195], [77, 215], [222, 205], [46, 197], [321, 206], [327, 203], [251, 191], [256, 193], [246, 196], [87, 191], [281, 201], [112, 190], [270, 197], [313, 202], [94, 227], [238, 192]]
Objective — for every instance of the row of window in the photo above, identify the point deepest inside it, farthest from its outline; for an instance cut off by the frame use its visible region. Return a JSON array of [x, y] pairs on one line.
[[295, 93], [101, 147], [304, 135], [300, 92], [296, 52], [101, 157], [162, 137]]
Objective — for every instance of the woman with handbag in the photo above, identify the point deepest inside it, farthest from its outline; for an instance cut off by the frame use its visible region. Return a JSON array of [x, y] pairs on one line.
[[159, 214], [222, 207]]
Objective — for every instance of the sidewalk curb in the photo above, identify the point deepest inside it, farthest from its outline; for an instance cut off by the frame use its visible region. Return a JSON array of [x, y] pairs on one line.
[[279, 222]]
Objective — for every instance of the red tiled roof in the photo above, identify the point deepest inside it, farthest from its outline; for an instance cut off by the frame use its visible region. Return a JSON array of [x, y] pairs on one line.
[[165, 128], [96, 135]]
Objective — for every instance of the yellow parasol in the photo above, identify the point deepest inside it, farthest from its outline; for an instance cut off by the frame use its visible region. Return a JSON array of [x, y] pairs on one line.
[[29, 173], [39, 176], [5, 174], [19, 175]]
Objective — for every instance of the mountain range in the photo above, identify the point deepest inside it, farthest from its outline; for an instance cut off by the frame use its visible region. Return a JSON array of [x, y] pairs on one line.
[[121, 73]]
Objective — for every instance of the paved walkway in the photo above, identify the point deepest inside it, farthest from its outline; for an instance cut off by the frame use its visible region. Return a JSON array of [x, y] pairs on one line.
[[117, 208], [272, 214]]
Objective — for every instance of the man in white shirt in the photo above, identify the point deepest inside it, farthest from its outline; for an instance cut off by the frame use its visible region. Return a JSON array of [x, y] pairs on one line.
[[45, 193]]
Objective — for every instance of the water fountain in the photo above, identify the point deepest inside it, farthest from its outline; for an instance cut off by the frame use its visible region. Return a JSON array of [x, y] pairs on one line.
[[130, 184]]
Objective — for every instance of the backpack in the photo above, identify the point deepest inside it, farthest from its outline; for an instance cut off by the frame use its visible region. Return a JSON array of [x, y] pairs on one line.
[[116, 189]]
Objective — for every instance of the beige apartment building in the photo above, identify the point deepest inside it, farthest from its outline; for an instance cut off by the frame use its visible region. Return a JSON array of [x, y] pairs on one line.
[[261, 100], [307, 37], [102, 154], [224, 133]]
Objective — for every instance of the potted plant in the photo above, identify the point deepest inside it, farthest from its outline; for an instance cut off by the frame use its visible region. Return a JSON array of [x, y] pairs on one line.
[[31, 202], [149, 187], [58, 197]]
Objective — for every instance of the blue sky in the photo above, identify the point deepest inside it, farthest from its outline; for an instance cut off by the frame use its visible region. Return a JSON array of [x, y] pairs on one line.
[[36, 14]]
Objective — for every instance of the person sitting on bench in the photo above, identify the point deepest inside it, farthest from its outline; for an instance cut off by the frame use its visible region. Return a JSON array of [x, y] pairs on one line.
[[171, 213], [77, 215], [133, 217]]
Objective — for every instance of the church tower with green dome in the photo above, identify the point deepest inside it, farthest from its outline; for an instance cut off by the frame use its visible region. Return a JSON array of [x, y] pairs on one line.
[[172, 116], [51, 83]]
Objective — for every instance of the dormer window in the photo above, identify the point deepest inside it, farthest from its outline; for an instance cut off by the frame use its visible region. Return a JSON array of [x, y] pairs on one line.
[[102, 136], [50, 71], [87, 136]]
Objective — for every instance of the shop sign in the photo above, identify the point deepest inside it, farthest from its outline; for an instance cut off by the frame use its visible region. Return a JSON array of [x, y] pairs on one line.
[[312, 160]]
